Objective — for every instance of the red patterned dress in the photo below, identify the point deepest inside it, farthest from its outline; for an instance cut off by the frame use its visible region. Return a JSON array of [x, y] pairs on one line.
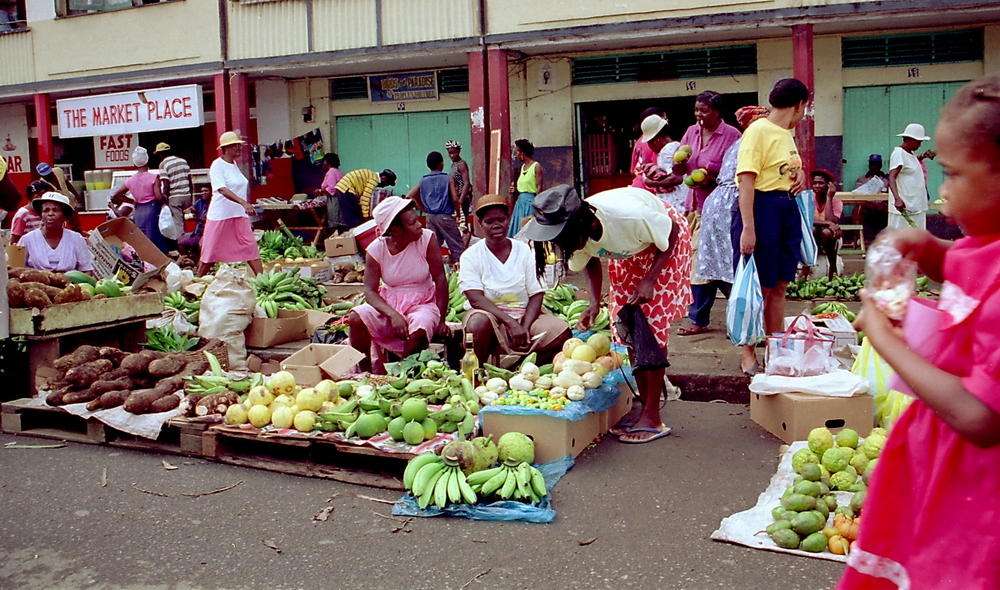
[[635, 225]]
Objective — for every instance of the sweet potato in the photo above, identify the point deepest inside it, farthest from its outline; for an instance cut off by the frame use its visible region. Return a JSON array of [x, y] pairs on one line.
[[55, 397], [165, 367], [85, 374], [114, 374], [170, 384], [83, 354], [50, 291], [70, 294], [153, 354], [112, 354], [140, 401], [143, 381], [31, 275], [100, 387], [193, 399], [194, 368], [216, 403], [78, 397], [15, 294], [136, 363], [109, 399], [165, 404], [36, 298]]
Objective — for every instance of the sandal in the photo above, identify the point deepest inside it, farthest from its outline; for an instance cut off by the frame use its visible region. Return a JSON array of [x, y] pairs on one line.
[[753, 370], [692, 329]]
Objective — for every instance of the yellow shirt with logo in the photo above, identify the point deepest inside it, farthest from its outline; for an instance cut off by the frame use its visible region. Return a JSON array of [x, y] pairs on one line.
[[769, 151]]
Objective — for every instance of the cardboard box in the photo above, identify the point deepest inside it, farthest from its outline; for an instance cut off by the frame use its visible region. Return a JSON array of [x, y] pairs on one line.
[[290, 325], [338, 291], [107, 243], [16, 255], [790, 416], [316, 362], [315, 319], [554, 437], [842, 330], [340, 246]]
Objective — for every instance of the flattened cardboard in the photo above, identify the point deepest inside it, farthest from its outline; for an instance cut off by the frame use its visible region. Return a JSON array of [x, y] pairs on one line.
[[554, 437], [340, 246], [316, 362], [790, 416], [290, 325], [315, 319]]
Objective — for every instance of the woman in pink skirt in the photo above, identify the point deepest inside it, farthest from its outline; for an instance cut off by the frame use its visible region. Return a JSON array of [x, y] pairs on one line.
[[228, 236], [405, 287]]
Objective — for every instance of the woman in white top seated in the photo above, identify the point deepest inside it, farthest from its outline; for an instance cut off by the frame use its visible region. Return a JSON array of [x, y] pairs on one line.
[[497, 275], [52, 246]]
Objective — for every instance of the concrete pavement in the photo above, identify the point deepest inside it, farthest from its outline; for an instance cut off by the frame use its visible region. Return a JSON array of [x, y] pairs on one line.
[[648, 510]]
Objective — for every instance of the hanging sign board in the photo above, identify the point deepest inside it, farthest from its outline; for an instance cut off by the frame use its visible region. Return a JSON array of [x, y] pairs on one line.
[[114, 151], [156, 109], [14, 138], [403, 87]]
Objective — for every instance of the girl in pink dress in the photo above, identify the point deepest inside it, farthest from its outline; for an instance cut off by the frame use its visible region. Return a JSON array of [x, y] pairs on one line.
[[931, 513], [405, 287]]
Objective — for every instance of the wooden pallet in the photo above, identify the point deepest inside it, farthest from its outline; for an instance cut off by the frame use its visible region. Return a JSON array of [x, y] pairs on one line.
[[16, 417], [307, 457], [180, 436]]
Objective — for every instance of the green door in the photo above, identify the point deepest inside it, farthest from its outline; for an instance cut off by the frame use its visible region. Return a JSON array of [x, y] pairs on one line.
[[874, 115], [401, 142]]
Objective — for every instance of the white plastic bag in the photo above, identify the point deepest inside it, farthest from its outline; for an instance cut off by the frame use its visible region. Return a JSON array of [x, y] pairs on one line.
[[839, 383], [226, 311], [168, 226], [176, 278], [176, 319]]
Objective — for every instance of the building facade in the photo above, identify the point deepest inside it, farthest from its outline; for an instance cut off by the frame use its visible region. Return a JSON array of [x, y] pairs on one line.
[[386, 81]]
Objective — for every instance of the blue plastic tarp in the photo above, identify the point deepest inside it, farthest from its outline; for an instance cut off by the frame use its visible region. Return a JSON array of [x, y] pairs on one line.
[[502, 510], [595, 400]]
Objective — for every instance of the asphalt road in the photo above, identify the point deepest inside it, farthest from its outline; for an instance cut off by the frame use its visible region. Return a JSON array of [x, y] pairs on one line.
[[646, 510]]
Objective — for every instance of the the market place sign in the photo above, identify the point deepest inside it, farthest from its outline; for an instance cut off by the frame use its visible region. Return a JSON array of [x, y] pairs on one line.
[[157, 109]]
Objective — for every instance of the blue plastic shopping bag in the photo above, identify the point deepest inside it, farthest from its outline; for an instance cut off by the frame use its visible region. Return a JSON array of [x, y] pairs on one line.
[[745, 312], [807, 215]]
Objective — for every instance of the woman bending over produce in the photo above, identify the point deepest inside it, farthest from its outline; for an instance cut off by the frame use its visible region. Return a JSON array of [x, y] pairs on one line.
[[405, 287], [497, 275]]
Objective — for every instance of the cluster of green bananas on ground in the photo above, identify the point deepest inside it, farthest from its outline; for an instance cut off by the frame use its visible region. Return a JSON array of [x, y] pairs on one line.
[[275, 244], [510, 481], [286, 290], [437, 480], [190, 308], [342, 308], [456, 300], [839, 287], [834, 307]]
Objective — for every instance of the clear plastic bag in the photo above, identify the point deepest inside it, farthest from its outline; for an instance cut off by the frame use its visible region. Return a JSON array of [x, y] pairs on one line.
[[890, 279]]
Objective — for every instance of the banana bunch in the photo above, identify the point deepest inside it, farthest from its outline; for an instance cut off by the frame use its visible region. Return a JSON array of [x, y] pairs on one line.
[[456, 300], [510, 481], [561, 302], [341, 418], [178, 301], [341, 308], [286, 290], [834, 307], [435, 480], [217, 382], [275, 244]]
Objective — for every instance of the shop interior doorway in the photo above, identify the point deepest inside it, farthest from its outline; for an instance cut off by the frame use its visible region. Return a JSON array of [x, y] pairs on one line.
[[608, 131]]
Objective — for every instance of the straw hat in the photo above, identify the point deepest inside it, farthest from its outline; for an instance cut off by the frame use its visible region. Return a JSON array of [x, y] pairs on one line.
[[229, 138], [491, 201], [914, 131], [52, 197], [651, 126]]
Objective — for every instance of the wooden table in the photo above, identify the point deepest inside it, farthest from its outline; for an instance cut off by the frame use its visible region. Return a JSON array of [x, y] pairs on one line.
[[272, 213], [859, 199]]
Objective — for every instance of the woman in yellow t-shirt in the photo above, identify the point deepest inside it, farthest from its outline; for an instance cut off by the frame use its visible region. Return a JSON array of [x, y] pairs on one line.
[[769, 174], [527, 185]]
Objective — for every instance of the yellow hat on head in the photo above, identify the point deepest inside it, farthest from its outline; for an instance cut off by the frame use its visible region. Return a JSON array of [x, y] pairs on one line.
[[229, 138], [162, 147]]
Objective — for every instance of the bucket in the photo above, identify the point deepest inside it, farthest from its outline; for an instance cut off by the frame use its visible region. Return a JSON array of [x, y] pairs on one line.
[[920, 329]]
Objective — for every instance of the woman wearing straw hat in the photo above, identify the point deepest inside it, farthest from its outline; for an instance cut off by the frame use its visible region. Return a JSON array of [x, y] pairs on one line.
[[228, 235], [52, 246], [144, 187], [405, 287]]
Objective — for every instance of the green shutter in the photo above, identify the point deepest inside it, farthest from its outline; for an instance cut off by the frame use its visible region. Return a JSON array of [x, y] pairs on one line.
[[736, 60], [912, 49], [349, 88]]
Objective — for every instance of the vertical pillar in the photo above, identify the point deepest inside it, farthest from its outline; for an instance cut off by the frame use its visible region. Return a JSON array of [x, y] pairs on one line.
[[478, 119], [804, 69], [240, 106], [43, 124], [499, 111], [221, 90]]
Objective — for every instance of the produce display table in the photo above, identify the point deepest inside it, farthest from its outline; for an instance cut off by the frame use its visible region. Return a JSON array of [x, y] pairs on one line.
[[59, 329], [313, 216]]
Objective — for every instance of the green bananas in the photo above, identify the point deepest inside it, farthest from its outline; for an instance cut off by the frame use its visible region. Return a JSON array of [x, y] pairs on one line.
[[286, 290], [510, 481], [433, 480], [561, 302], [456, 300]]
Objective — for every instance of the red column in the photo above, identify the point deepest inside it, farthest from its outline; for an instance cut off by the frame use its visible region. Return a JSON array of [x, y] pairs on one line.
[[479, 151], [240, 105], [43, 123], [804, 69], [221, 89], [499, 112]]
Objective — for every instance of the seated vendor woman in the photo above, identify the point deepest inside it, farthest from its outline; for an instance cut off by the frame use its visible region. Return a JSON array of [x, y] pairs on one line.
[[405, 287], [52, 246], [498, 276]]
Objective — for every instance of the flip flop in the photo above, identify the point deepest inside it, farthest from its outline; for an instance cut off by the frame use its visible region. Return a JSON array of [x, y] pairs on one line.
[[658, 434], [620, 429], [692, 330], [753, 370]]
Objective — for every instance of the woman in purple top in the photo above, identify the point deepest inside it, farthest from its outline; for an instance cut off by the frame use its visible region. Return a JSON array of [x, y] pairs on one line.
[[709, 138]]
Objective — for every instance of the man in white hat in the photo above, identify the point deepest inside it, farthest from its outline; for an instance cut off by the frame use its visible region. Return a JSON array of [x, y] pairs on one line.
[[907, 185]]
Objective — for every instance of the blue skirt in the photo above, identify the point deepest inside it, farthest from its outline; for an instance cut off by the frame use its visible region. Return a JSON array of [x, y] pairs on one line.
[[522, 208], [147, 217]]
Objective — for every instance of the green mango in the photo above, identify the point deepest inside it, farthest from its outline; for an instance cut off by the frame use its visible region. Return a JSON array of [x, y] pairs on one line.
[[777, 526], [785, 538], [806, 523], [814, 543], [798, 502]]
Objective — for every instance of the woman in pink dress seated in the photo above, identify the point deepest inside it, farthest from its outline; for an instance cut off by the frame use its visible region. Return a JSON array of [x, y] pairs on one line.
[[405, 287]]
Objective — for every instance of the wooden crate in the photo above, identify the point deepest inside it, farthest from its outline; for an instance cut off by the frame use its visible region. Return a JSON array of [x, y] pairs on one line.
[[17, 417], [180, 436], [82, 314], [306, 456]]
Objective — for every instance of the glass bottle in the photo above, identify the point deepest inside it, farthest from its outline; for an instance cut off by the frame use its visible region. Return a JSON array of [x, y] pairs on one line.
[[470, 362]]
